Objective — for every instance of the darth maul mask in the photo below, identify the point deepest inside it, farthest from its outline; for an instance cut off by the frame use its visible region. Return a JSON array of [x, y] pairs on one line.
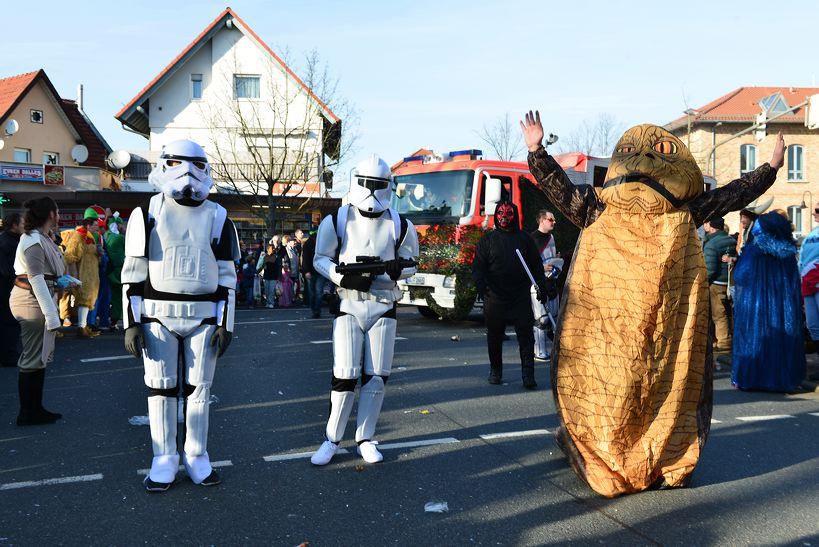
[[505, 216]]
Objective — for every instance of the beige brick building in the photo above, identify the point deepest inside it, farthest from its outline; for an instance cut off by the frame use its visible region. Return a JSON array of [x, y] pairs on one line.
[[716, 122]]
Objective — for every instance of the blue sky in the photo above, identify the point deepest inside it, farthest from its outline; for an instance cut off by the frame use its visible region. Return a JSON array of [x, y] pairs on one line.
[[431, 74]]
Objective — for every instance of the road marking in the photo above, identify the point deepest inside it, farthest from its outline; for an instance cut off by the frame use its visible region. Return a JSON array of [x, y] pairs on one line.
[[764, 418], [49, 482], [278, 321], [330, 341], [222, 463], [813, 413], [15, 438], [713, 421], [94, 372], [387, 446], [297, 455], [512, 434], [112, 358], [413, 444]]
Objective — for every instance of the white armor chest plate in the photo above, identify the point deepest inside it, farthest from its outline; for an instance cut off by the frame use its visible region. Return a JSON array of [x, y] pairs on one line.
[[180, 257], [367, 237]]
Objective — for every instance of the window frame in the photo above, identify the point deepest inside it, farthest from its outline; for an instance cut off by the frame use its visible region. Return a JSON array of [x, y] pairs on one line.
[[795, 216], [795, 175], [56, 156], [237, 77], [743, 158], [26, 151], [201, 82]]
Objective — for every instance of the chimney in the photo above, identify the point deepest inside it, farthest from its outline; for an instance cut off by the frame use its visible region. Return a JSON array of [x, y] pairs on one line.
[[79, 98]]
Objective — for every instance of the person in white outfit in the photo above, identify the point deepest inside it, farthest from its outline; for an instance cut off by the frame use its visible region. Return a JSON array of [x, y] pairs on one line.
[[545, 243], [179, 294], [364, 331]]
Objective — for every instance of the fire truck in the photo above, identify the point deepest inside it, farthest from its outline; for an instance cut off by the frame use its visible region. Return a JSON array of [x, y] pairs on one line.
[[462, 189]]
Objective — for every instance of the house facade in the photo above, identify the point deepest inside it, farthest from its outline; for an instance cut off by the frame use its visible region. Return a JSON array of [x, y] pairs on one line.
[[49, 145], [261, 126], [710, 131]]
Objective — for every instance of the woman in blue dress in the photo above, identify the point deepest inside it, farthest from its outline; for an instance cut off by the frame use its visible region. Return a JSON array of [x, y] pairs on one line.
[[768, 348]]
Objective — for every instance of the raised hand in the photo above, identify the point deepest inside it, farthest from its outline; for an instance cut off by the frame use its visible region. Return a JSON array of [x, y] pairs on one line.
[[778, 156], [532, 131]]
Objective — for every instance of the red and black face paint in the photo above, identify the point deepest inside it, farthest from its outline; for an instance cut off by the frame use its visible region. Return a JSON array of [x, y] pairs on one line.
[[505, 216]]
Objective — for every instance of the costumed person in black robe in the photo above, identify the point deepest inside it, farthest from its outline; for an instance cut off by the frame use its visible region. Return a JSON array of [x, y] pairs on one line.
[[502, 281]]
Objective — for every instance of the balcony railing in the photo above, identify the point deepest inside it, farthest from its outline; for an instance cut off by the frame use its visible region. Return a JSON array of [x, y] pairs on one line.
[[221, 172]]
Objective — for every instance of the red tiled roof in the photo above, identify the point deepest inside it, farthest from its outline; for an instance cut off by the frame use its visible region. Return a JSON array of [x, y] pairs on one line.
[[98, 150], [227, 11], [742, 105], [13, 89]]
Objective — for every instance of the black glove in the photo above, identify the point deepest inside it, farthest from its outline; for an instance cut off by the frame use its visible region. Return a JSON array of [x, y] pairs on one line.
[[221, 339], [357, 282], [542, 297], [481, 287], [134, 340], [393, 269]]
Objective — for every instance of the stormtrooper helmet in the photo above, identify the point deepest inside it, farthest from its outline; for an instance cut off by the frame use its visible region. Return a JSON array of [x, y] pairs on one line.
[[182, 171], [371, 185]]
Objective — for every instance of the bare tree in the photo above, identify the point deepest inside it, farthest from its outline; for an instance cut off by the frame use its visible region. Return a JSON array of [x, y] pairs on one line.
[[283, 141], [594, 137], [504, 139]]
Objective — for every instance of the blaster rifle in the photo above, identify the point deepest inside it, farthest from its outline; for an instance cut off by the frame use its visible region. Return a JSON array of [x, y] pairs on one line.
[[371, 265]]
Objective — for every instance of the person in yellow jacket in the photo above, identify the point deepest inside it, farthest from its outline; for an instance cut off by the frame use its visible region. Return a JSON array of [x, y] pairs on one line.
[[82, 258]]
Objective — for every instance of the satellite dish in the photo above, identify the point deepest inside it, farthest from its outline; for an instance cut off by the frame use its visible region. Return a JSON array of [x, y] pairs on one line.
[[12, 127], [79, 153], [119, 159]]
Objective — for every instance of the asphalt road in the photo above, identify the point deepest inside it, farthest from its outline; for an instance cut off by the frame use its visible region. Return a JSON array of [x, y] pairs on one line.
[[447, 436]]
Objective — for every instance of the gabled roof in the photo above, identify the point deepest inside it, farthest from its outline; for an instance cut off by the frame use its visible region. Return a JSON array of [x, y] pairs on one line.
[[130, 114], [98, 149], [14, 88], [742, 105]]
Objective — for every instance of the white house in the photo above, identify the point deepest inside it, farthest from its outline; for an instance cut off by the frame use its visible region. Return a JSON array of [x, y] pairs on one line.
[[231, 93]]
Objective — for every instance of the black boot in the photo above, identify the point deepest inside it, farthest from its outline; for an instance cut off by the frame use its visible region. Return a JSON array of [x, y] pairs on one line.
[[30, 388], [495, 375]]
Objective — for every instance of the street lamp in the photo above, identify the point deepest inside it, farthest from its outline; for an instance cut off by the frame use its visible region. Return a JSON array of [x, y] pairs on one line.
[[804, 206], [690, 112]]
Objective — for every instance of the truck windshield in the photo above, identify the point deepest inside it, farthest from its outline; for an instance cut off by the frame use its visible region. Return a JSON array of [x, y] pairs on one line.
[[429, 197]]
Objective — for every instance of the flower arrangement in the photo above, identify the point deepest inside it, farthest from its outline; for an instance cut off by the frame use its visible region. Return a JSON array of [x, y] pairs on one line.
[[448, 250]]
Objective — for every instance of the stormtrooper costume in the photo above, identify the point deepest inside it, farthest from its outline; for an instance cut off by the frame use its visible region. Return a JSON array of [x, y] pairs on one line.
[[179, 298], [364, 331]]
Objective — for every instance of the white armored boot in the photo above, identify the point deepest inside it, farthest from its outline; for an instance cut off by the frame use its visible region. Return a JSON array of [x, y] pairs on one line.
[[341, 404], [165, 463], [369, 408], [196, 459]]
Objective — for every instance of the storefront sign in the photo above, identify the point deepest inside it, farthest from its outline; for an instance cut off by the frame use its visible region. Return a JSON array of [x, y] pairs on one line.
[[54, 174], [22, 173]]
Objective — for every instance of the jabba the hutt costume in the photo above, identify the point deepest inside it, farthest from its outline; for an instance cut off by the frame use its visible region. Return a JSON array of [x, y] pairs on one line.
[[631, 371]]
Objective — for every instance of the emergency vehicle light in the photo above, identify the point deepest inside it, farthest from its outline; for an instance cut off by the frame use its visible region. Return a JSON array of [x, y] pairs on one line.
[[472, 152], [414, 158]]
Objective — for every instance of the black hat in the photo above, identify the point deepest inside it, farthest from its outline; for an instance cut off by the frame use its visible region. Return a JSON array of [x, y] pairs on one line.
[[717, 223]]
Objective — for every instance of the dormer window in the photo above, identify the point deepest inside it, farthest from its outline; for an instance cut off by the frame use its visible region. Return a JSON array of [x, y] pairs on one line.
[[774, 104]]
